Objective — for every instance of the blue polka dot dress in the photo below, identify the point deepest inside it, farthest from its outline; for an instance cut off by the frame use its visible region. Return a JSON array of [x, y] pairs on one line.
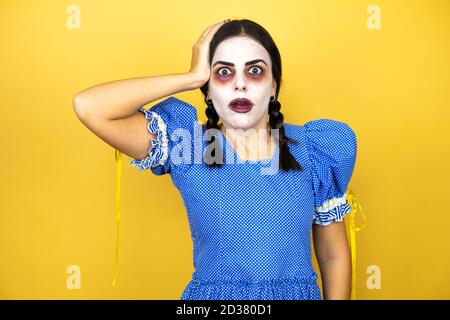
[[250, 225]]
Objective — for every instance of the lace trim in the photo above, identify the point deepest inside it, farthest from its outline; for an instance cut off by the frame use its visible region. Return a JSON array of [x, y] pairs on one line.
[[332, 210], [159, 152], [332, 203]]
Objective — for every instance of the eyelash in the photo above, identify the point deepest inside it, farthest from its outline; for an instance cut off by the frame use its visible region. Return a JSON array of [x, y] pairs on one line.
[[224, 75]]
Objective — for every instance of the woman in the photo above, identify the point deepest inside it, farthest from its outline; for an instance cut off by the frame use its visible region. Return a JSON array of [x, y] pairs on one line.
[[250, 228]]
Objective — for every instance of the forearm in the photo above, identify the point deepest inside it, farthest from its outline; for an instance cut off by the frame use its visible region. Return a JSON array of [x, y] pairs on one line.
[[121, 98], [336, 277]]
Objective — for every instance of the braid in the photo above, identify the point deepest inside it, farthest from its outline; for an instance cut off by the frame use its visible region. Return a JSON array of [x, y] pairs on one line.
[[212, 123], [276, 118]]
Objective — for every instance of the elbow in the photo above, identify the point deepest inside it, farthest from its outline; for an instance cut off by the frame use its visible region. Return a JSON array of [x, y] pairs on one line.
[[79, 107]]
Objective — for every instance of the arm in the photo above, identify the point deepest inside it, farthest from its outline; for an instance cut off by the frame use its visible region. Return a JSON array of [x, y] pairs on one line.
[[111, 110], [122, 98], [333, 257]]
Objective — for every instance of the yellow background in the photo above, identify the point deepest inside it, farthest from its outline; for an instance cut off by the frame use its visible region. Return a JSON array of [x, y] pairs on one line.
[[58, 179]]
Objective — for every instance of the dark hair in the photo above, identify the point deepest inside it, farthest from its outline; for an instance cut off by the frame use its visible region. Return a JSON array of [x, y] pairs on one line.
[[255, 31]]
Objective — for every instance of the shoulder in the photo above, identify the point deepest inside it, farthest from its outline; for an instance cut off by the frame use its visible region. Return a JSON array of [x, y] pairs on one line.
[[293, 130], [322, 129], [174, 105], [325, 139], [331, 138], [175, 113], [328, 127]]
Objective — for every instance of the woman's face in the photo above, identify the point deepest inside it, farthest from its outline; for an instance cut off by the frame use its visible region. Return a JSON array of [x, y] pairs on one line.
[[231, 78]]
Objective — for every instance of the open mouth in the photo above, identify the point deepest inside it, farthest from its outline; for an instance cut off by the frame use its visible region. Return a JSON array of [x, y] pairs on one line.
[[241, 105]]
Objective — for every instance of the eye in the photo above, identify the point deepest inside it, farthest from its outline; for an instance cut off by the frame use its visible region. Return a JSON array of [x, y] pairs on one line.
[[255, 68], [226, 71], [221, 73]]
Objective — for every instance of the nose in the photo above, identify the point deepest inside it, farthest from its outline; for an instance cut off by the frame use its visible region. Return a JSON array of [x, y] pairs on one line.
[[240, 83]]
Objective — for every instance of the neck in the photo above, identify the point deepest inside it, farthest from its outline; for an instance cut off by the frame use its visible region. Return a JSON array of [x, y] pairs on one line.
[[254, 142]]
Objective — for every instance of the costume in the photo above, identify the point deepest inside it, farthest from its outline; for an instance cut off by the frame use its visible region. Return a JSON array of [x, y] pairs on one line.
[[251, 230]]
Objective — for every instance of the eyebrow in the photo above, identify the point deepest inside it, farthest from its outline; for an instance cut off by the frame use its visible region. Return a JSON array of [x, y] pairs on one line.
[[247, 63]]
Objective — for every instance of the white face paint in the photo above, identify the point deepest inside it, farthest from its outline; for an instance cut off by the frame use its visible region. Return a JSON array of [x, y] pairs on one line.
[[254, 82]]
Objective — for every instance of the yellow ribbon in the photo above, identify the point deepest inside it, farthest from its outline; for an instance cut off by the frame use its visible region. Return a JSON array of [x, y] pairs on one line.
[[353, 229], [118, 156]]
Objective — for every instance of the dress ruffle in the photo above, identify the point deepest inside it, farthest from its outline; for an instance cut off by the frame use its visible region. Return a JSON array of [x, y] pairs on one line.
[[333, 210], [292, 288], [159, 151]]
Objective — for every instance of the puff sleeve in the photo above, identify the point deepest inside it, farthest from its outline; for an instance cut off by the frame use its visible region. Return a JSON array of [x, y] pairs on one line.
[[332, 152], [164, 118]]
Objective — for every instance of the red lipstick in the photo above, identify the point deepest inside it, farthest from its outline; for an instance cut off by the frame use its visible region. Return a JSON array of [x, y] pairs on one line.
[[241, 105]]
